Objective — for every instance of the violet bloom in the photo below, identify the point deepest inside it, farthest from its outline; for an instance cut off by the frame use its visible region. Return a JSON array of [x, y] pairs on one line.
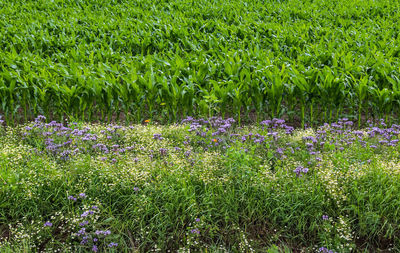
[[94, 248], [195, 231], [325, 217], [86, 213], [82, 231], [72, 198], [101, 232], [48, 224], [300, 170], [325, 250], [82, 195], [40, 118], [163, 151], [82, 224], [84, 240], [113, 244], [157, 137]]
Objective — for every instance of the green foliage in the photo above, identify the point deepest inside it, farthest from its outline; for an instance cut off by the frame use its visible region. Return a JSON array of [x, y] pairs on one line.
[[168, 59]]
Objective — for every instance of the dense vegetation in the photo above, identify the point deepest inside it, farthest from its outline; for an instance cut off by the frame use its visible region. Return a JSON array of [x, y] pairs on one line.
[[203, 186], [301, 59]]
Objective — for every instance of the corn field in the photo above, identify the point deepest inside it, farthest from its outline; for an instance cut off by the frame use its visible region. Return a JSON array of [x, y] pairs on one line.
[[308, 60]]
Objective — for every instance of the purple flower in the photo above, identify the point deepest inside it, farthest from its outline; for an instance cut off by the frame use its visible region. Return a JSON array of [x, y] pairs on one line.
[[40, 119], [157, 137], [86, 213], [94, 248], [81, 232], [48, 224], [325, 250], [197, 219], [101, 232], [163, 151], [82, 195], [309, 145], [325, 217], [195, 231], [300, 171], [113, 244], [72, 198], [84, 223]]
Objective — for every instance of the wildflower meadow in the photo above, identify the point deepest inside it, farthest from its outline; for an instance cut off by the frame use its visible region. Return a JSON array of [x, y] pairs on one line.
[[203, 185]]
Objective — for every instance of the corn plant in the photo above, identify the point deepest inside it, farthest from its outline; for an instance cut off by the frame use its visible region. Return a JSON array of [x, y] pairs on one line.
[[237, 57]]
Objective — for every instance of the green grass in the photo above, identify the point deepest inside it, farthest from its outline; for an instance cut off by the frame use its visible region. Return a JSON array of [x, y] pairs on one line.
[[241, 198], [311, 61]]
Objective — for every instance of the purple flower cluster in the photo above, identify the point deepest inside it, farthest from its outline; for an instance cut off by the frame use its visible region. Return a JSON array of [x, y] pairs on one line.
[[101, 232], [195, 231], [163, 151], [325, 250], [72, 198], [276, 124], [217, 125], [89, 237], [157, 137], [300, 171], [113, 244], [48, 224], [64, 142]]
